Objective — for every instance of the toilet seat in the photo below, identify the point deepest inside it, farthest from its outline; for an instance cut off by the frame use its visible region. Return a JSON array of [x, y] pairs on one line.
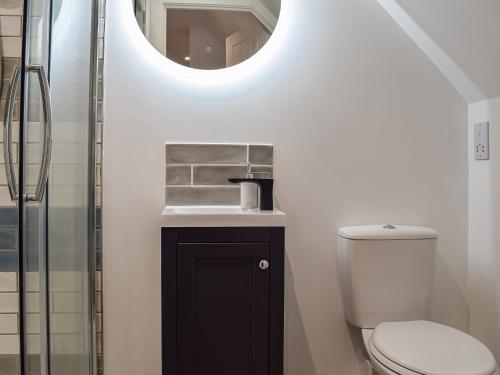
[[385, 366], [427, 348]]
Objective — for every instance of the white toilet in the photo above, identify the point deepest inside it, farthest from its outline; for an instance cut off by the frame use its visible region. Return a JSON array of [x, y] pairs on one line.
[[386, 277]]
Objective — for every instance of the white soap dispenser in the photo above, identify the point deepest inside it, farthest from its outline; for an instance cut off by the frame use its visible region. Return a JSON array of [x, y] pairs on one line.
[[249, 191]]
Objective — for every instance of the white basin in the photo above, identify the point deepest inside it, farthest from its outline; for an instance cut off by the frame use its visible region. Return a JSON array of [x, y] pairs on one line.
[[220, 216]]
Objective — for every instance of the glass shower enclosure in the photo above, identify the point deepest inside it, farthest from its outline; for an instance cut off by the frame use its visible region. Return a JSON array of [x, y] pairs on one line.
[[47, 187]]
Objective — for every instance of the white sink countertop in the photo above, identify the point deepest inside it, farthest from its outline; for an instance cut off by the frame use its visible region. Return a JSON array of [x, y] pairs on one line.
[[220, 216]]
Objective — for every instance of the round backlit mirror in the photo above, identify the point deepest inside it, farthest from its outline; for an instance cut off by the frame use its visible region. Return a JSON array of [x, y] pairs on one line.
[[207, 34]]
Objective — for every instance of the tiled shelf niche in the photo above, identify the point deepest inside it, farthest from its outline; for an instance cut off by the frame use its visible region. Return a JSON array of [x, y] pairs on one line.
[[197, 173]]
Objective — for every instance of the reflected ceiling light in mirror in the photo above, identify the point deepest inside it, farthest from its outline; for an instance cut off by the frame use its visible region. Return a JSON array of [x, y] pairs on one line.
[[236, 74]]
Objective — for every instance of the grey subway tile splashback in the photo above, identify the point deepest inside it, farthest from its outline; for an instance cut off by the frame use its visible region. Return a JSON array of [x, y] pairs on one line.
[[197, 174], [216, 175], [179, 175], [260, 154], [206, 153], [260, 170], [201, 195]]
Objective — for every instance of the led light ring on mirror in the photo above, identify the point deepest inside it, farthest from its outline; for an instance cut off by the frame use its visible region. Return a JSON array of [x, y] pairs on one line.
[[211, 78]]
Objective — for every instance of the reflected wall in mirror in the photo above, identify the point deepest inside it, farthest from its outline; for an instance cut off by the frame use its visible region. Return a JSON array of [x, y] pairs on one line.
[[207, 34]]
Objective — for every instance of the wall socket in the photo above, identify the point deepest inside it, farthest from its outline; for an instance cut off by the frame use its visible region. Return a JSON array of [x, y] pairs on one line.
[[482, 141]]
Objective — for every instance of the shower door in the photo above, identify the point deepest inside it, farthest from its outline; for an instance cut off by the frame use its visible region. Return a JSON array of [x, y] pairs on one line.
[[48, 104]]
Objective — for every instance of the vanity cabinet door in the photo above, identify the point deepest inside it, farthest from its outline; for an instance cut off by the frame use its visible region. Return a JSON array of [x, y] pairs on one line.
[[222, 301], [223, 308]]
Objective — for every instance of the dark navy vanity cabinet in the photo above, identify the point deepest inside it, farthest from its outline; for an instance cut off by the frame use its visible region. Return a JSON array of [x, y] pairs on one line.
[[222, 301]]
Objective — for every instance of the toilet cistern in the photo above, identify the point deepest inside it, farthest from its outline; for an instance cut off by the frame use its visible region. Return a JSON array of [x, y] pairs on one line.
[[386, 276]]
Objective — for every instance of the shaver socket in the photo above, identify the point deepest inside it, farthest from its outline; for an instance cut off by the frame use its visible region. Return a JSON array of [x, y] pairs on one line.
[[482, 141]]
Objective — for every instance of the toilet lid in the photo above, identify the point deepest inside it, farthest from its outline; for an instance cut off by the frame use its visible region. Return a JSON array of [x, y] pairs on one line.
[[432, 349]]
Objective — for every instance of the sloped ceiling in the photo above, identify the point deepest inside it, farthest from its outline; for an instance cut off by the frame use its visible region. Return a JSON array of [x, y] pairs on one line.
[[468, 31]]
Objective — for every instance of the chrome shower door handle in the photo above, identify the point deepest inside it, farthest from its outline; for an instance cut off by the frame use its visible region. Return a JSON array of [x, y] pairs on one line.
[[7, 133], [43, 174]]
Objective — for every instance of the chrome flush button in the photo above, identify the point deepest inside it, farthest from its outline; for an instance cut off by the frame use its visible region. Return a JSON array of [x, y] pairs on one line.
[[389, 226]]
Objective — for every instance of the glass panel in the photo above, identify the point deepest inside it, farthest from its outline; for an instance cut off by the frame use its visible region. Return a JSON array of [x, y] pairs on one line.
[[68, 211], [53, 237], [98, 193], [34, 213], [10, 55]]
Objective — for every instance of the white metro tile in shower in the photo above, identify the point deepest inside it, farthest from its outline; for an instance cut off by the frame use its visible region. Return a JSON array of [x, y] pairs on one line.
[[11, 46], [67, 302], [68, 153], [68, 132], [9, 344], [68, 196], [33, 302], [66, 323], [13, 153], [9, 302], [8, 324], [5, 200], [3, 177], [64, 173], [8, 282], [67, 281], [10, 25], [14, 7], [33, 343], [32, 324], [32, 281], [68, 343], [15, 131]]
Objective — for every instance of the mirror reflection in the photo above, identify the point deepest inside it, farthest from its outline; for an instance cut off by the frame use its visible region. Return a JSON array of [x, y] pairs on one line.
[[207, 34]]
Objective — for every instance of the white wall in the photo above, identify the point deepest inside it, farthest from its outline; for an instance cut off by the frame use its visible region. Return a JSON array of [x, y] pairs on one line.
[[468, 33], [484, 234], [366, 130]]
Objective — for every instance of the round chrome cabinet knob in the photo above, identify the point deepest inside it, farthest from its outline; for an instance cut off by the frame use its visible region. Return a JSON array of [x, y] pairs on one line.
[[263, 265]]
